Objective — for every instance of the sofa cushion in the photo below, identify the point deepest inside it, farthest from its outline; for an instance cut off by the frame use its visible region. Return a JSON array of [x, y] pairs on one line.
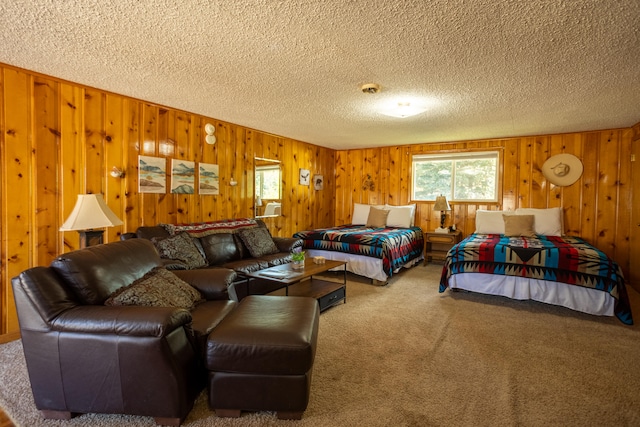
[[96, 272], [205, 317], [220, 248], [258, 241], [158, 288], [180, 247], [151, 232]]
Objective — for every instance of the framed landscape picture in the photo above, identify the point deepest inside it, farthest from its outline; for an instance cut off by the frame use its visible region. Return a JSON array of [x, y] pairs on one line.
[[152, 174], [183, 176], [209, 179]]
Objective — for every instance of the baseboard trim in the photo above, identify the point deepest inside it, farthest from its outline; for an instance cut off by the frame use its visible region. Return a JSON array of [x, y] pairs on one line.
[[9, 337]]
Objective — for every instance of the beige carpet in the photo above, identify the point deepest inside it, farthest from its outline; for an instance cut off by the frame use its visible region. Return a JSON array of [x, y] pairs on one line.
[[405, 355]]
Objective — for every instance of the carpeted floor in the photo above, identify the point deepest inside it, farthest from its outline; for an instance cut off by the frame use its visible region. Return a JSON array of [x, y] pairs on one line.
[[406, 355]]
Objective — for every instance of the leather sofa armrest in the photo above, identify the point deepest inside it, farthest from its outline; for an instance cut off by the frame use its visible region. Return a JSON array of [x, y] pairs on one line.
[[135, 321], [213, 283], [287, 244]]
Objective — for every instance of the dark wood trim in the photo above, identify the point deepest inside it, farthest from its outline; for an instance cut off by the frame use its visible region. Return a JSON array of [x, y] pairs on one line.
[[9, 337]]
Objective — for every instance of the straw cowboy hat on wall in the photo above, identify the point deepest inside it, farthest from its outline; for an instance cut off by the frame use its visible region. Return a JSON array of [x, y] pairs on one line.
[[562, 169]]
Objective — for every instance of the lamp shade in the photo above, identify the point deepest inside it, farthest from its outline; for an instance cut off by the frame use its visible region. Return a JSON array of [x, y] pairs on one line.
[[90, 211], [441, 204]]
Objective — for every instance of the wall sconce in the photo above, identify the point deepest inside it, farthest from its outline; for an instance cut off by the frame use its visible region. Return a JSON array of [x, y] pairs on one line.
[[116, 172], [210, 130], [233, 182], [90, 212]]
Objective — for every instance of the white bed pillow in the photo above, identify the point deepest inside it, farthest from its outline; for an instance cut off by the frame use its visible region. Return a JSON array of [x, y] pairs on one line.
[[400, 216], [547, 222], [360, 213], [490, 222]]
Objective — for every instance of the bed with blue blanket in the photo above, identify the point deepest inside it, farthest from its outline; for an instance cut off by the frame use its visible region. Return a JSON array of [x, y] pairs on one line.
[[560, 270], [376, 253]]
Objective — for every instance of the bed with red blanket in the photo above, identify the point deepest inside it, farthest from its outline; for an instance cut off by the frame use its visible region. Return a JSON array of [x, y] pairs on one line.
[[559, 270], [376, 253]]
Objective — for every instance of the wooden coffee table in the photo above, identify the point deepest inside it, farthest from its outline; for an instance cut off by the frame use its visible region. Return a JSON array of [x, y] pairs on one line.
[[303, 283]]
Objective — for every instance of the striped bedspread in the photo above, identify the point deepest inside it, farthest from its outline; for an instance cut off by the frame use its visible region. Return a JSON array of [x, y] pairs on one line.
[[565, 259], [395, 246]]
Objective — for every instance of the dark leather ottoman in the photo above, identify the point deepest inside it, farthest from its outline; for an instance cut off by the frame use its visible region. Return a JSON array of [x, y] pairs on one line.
[[260, 357]]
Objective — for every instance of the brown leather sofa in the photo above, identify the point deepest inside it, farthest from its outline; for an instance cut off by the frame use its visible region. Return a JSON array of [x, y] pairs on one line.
[[227, 250], [85, 357]]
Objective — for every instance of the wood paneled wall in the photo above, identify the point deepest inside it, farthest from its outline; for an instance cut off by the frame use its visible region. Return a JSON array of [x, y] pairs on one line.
[[596, 208], [60, 139]]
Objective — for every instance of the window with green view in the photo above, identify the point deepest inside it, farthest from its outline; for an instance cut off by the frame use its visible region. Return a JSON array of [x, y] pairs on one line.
[[458, 176]]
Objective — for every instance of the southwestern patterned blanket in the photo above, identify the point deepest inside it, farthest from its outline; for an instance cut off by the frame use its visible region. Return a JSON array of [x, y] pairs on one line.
[[395, 246], [564, 259]]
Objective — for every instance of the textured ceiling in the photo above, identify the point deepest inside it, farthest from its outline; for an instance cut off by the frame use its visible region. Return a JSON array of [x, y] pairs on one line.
[[484, 68]]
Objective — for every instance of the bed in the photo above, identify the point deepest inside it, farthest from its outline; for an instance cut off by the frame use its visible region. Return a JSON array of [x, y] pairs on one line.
[[373, 248], [550, 268]]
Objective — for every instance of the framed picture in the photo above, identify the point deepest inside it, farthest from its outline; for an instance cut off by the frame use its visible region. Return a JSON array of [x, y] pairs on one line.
[[183, 176], [305, 176], [209, 179], [152, 174], [318, 182]]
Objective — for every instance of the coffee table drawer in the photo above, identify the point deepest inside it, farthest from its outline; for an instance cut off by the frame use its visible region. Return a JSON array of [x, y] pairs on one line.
[[332, 298]]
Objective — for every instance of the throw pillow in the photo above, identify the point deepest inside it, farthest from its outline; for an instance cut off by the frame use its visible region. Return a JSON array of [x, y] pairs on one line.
[[180, 247], [519, 225], [158, 288], [377, 218], [258, 241], [548, 222]]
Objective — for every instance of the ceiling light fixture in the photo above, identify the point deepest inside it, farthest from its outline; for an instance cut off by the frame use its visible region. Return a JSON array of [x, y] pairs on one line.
[[370, 88], [402, 110]]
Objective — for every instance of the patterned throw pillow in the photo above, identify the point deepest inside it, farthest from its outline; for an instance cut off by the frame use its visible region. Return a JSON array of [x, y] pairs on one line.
[[180, 247], [258, 241], [158, 288]]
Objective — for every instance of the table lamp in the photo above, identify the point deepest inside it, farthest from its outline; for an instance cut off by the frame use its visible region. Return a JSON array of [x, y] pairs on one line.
[[89, 213], [441, 205]]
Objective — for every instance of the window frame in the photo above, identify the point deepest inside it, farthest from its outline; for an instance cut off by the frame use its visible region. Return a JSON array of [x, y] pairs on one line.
[[461, 155]]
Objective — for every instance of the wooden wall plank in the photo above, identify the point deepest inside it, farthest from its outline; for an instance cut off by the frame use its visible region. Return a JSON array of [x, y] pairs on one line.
[[5, 292], [94, 175], [17, 182], [132, 144], [45, 158], [113, 157], [72, 158]]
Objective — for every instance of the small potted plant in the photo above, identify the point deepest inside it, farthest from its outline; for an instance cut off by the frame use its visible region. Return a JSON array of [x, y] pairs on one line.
[[297, 255]]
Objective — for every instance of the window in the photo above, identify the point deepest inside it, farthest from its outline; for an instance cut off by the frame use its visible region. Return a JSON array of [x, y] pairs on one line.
[[469, 176], [268, 182]]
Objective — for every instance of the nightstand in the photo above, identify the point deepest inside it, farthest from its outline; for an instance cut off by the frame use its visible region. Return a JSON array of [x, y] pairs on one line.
[[436, 245]]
